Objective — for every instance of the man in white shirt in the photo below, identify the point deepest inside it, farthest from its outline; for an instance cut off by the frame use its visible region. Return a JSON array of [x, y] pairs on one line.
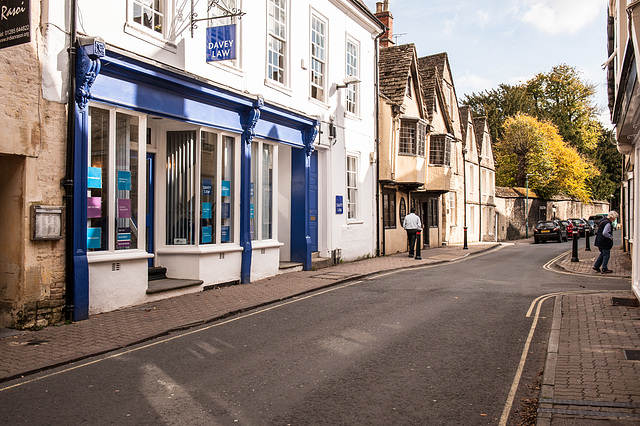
[[412, 225]]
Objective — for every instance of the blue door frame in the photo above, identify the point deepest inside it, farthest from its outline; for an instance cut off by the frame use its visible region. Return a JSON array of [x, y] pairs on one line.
[[313, 201]]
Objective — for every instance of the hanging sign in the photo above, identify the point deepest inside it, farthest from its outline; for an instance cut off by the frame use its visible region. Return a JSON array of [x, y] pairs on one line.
[[15, 25], [221, 43]]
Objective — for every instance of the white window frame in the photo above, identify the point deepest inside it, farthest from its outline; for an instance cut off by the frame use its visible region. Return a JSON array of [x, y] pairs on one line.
[[418, 140], [167, 32], [111, 195], [352, 213], [283, 39], [318, 56], [352, 59], [258, 193]]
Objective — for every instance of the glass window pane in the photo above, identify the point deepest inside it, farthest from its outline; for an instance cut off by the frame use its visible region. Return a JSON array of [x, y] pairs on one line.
[[98, 184], [208, 149], [181, 186], [252, 191], [126, 160], [227, 192], [267, 192]]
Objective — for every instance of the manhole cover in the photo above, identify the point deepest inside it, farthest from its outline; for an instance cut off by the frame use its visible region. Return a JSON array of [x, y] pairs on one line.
[[625, 301], [632, 354]]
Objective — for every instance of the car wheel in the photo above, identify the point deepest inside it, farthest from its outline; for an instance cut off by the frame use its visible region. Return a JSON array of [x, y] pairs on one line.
[[535, 241], [559, 239]]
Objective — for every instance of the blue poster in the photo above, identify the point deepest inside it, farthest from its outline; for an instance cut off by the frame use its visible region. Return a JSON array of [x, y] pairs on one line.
[[221, 43], [252, 190], [226, 188], [225, 234], [206, 187], [94, 178], [124, 180], [226, 210], [206, 210], [206, 234], [339, 205], [252, 211], [93, 238]]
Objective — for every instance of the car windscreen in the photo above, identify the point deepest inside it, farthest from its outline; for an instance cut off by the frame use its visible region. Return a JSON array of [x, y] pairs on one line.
[[546, 225]]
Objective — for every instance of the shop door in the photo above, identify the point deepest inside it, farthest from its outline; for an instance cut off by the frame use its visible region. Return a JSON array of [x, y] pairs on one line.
[[150, 206], [425, 224], [313, 201]]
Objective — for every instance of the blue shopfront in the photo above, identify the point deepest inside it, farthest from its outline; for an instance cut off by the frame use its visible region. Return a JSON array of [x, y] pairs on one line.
[[184, 176]]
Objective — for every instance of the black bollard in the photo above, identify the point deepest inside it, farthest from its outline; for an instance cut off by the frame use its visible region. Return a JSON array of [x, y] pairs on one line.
[[466, 246], [418, 245], [574, 255], [587, 234]]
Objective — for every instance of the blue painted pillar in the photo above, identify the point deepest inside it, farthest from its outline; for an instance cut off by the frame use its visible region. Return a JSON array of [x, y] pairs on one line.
[[87, 69], [300, 200], [249, 121]]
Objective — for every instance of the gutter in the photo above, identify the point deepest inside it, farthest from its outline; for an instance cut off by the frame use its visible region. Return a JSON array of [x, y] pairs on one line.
[[377, 142]]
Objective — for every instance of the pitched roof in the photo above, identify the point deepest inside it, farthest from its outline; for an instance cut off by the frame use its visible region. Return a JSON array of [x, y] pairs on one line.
[[431, 73], [478, 126], [395, 68], [464, 121]]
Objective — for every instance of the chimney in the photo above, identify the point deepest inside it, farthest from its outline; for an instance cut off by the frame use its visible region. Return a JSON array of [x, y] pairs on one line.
[[383, 14]]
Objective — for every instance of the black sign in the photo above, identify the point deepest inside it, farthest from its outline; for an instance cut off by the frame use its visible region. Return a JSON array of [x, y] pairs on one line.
[[15, 27]]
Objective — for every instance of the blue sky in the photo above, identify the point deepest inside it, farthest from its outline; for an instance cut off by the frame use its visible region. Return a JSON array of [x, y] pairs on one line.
[[507, 41]]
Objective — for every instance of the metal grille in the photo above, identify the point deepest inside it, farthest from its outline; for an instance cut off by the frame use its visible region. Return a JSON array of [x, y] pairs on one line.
[[181, 184]]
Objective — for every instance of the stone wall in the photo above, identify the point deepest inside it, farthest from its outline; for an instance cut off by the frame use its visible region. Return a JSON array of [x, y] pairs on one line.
[[32, 165]]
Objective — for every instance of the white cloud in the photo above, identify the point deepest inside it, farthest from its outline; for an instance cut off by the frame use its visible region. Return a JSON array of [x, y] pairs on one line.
[[561, 16], [469, 83], [483, 18]]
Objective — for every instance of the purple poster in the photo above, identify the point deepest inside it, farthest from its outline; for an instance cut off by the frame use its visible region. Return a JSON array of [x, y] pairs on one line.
[[124, 208], [94, 207]]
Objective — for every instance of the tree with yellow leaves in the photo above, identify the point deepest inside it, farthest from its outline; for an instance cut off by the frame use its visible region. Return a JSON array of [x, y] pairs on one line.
[[534, 148]]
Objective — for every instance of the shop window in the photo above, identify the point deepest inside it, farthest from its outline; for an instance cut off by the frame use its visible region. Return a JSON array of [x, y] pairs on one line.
[[227, 190], [261, 192], [208, 186], [389, 209], [113, 181], [267, 192], [181, 187]]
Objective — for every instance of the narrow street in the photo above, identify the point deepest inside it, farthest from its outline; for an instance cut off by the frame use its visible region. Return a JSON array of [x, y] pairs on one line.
[[442, 343]]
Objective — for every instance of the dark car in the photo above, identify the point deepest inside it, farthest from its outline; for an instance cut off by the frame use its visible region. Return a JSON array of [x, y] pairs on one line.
[[549, 230], [582, 226], [567, 224], [596, 219]]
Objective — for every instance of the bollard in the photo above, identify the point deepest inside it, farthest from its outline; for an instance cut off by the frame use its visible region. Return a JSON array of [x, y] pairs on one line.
[[587, 234], [418, 245], [466, 246], [574, 254]]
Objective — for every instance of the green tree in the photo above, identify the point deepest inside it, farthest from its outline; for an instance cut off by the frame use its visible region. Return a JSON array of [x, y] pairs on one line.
[[608, 161], [534, 149]]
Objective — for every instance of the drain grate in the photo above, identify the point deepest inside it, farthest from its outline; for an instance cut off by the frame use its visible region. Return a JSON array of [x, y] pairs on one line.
[[632, 354], [625, 301]]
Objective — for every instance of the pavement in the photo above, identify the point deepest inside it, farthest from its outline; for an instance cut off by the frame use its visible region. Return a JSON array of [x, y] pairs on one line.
[[588, 377]]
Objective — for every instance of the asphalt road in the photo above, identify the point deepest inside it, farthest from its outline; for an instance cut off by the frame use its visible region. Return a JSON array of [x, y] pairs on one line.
[[440, 345]]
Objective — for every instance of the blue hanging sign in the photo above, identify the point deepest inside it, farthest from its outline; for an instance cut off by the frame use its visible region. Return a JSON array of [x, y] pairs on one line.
[[221, 43]]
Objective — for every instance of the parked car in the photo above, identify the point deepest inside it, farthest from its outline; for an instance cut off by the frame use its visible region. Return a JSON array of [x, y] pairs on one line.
[[549, 230], [582, 225], [596, 219], [567, 224]]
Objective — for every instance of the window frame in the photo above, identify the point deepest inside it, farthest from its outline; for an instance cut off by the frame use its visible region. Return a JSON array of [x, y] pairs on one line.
[[167, 16], [351, 92], [320, 86], [352, 202], [282, 39], [440, 150], [389, 220], [258, 198], [416, 145]]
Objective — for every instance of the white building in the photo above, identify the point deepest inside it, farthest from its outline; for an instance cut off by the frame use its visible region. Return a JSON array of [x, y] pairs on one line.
[[624, 104], [218, 146]]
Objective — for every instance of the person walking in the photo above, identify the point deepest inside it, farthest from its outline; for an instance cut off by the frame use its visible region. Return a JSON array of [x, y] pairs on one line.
[[604, 242], [412, 225]]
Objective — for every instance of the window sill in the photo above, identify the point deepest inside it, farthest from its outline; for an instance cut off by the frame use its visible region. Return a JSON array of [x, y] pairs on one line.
[[265, 244], [318, 102], [120, 255], [151, 38], [277, 86], [352, 116], [203, 249]]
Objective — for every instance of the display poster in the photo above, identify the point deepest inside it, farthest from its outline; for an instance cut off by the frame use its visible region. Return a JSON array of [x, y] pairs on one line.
[[226, 188], [94, 236], [251, 209], [225, 234], [206, 211], [221, 43], [94, 207], [15, 25], [206, 235], [206, 187], [339, 204], [124, 180], [226, 210], [124, 238], [124, 208], [94, 179], [252, 190]]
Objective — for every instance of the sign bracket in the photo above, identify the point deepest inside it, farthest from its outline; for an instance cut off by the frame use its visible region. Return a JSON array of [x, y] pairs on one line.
[[227, 13]]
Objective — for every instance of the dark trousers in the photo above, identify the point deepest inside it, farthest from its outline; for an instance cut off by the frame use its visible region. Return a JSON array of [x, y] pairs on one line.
[[603, 259], [411, 236]]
